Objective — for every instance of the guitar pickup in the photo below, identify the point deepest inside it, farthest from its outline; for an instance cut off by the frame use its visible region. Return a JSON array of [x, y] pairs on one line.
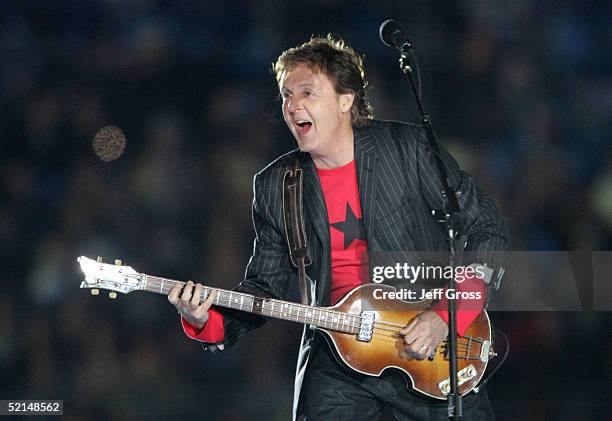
[[366, 327], [463, 376]]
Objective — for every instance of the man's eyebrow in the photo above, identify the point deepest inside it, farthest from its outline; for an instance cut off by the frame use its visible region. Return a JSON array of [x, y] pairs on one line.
[[303, 85]]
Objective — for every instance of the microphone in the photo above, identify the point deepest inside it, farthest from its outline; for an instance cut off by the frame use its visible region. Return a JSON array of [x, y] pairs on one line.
[[393, 34]]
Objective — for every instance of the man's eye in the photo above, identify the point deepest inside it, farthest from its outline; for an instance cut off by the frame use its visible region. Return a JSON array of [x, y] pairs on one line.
[[308, 93]]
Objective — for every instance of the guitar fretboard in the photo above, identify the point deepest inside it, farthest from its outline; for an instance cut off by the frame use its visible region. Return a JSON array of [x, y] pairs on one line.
[[285, 310]]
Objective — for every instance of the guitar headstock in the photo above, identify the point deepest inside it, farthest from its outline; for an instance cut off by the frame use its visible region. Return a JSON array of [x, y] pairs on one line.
[[116, 278]]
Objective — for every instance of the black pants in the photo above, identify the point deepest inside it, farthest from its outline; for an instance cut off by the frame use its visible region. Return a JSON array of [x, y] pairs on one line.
[[333, 392]]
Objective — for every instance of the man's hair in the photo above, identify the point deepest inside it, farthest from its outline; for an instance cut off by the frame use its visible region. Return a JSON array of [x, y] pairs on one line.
[[339, 62]]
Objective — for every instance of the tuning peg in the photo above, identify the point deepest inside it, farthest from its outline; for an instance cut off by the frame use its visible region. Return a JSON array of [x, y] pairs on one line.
[[118, 262], [112, 295], [99, 260], [95, 291]]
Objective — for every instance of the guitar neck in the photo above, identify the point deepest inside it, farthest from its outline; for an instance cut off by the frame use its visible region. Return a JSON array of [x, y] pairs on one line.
[[323, 317]]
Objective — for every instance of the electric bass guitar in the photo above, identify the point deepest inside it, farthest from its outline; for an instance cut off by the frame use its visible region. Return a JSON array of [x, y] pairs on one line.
[[362, 328]]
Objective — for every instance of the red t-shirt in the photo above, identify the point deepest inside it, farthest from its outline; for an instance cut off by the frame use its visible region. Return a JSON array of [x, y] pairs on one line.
[[349, 245]]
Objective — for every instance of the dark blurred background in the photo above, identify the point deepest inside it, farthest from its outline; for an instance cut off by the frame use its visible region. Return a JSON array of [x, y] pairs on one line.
[[519, 91]]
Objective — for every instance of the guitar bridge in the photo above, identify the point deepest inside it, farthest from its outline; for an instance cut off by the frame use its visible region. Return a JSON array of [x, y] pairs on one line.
[[468, 373], [366, 327]]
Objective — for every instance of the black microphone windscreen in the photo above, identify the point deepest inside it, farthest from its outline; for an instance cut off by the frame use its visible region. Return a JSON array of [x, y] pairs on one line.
[[393, 34]]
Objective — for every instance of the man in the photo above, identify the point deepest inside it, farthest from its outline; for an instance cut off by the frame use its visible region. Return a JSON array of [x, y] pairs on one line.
[[369, 186]]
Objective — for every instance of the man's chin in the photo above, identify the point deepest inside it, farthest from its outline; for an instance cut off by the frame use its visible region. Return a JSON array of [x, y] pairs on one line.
[[305, 146]]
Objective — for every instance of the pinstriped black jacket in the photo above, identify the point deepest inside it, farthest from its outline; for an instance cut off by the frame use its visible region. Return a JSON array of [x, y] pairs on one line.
[[398, 188]]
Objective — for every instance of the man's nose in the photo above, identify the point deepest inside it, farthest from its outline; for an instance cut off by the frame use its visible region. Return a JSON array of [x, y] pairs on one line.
[[294, 105]]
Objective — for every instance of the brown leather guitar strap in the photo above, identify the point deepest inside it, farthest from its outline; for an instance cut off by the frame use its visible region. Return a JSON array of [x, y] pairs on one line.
[[293, 214]]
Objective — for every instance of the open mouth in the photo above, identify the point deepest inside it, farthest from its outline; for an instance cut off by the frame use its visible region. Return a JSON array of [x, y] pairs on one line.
[[303, 126]]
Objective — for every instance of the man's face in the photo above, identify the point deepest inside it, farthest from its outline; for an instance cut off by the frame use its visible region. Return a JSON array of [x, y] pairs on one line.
[[314, 112]]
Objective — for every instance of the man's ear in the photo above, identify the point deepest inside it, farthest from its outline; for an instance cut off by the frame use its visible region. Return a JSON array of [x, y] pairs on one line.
[[346, 102]]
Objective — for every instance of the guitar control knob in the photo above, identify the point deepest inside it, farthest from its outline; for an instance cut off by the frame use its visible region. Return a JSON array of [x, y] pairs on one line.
[[112, 295], [95, 291], [99, 259], [118, 262]]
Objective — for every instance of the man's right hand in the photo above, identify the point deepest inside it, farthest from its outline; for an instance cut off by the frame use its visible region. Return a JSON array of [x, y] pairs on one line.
[[188, 304]]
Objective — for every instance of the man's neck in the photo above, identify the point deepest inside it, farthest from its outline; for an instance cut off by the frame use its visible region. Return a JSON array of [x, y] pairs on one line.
[[342, 153]]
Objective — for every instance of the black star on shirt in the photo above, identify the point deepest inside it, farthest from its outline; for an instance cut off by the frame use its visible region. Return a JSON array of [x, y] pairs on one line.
[[352, 227]]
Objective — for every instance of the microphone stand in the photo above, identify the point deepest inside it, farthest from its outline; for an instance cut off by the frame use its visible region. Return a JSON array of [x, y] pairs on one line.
[[451, 219]]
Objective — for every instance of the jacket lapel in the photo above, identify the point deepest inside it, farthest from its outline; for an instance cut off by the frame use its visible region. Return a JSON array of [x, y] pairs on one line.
[[314, 201], [366, 160], [316, 214]]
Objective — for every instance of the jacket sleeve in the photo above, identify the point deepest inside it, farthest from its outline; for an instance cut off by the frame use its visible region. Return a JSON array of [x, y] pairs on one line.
[[268, 272], [481, 222]]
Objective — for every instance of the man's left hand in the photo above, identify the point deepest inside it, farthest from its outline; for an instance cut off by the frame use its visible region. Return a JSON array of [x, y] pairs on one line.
[[423, 334]]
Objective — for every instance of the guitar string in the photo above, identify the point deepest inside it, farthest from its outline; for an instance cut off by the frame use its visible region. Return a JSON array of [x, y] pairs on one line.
[[466, 356], [466, 338], [340, 320], [390, 324], [160, 281], [466, 352], [444, 343], [463, 341], [463, 352], [397, 332], [461, 346], [157, 282]]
